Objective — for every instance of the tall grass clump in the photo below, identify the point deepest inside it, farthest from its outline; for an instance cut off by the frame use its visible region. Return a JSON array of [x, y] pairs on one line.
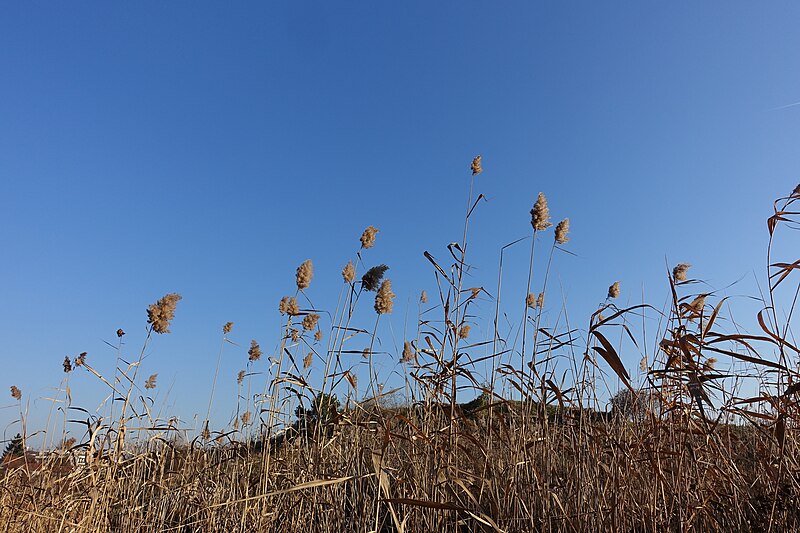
[[534, 424]]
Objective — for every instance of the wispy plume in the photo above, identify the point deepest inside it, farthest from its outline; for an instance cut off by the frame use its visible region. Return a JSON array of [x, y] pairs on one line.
[[476, 166], [562, 232], [161, 313], [254, 353], [304, 274], [384, 300], [614, 290], [368, 237], [679, 272], [372, 277], [540, 214]]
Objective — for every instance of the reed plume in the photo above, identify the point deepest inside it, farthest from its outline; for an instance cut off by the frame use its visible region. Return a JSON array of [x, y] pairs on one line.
[[384, 300], [16, 393], [372, 277], [368, 237], [80, 360], [310, 321], [227, 328], [679, 272], [408, 353], [476, 166], [240, 377], [67, 364], [540, 214], [423, 297], [161, 313], [304, 274], [349, 272], [562, 232], [613, 290], [151, 382], [254, 353]]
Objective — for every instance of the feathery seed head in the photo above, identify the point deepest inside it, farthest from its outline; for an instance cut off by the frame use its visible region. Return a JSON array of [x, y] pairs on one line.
[[679, 272], [372, 277], [384, 300], [310, 321], [698, 304], [530, 300], [476, 166], [408, 353], [246, 418], [16, 393], [227, 327], [540, 214], [365, 353], [295, 334], [206, 433], [796, 191], [161, 313], [151, 382], [304, 274], [423, 297], [67, 364], [540, 301], [349, 272], [307, 360], [289, 305], [562, 231], [352, 379], [318, 335], [240, 377], [368, 237], [120, 333], [613, 290], [81, 359], [254, 352], [463, 332]]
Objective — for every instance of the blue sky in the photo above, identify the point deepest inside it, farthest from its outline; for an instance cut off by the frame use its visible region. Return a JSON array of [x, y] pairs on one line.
[[209, 149]]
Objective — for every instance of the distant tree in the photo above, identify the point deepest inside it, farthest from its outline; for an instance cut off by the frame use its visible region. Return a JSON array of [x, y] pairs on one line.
[[15, 448], [324, 409], [633, 406]]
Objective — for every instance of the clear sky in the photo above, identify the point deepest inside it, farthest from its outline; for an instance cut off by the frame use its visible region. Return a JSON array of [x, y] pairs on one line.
[[208, 149]]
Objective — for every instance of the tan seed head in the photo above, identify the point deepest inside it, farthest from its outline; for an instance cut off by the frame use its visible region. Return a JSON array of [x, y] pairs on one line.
[[613, 290], [161, 313], [304, 274], [540, 214], [254, 353], [476, 166], [679, 272], [349, 272], [562, 231], [368, 237], [384, 300]]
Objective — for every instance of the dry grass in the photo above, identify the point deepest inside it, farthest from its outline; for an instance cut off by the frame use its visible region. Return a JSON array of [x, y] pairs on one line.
[[685, 447]]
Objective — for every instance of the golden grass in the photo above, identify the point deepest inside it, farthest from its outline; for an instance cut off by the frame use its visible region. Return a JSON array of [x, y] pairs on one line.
[[684, 447]]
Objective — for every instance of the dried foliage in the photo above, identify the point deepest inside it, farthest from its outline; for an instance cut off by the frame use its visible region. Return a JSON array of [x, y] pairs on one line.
[[478, 436], [161, 313]]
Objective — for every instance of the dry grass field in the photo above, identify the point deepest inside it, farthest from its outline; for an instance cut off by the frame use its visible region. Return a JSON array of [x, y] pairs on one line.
[[528, 446]]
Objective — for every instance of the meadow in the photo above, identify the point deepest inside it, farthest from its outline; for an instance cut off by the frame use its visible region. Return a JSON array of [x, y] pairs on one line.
[[556, 436]]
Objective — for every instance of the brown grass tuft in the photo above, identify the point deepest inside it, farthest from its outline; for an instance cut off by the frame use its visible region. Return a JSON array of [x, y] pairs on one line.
[[476, 166], [349, 272], [254, 353], [540, 214], [372, 277], [151, 382], [368, 237], [679, 272], [310, 321], [304, 274], [614, 290], [384, 300], [161, 313], [562, 232]]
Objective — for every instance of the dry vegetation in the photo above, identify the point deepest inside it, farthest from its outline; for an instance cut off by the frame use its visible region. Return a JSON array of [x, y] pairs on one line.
[[703, 439]]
